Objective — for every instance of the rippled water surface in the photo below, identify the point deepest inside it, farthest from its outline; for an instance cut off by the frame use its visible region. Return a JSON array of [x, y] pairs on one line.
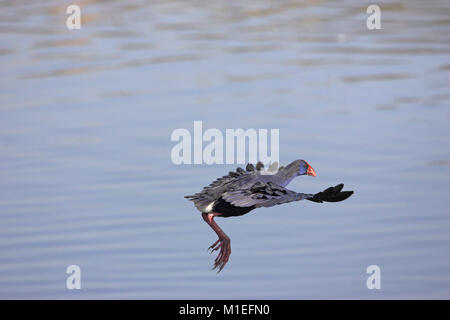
[[86, 176]]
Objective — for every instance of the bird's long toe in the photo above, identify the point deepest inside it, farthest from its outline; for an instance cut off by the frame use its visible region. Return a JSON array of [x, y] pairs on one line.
[[223, 256], [215, 246]]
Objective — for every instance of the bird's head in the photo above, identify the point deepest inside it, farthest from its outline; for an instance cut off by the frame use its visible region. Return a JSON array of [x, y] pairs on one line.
[[305, 168]]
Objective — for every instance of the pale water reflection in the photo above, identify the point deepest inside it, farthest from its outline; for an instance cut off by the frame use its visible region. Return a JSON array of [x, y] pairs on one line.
[[85, 124]]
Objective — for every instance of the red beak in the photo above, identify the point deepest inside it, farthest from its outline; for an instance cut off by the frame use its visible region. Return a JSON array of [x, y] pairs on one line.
[[311, 172]]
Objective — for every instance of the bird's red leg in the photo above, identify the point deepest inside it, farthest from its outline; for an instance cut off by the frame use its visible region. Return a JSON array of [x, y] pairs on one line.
[[223, 243]]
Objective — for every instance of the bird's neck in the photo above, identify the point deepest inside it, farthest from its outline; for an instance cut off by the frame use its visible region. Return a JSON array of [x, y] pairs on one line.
[[286, 176]]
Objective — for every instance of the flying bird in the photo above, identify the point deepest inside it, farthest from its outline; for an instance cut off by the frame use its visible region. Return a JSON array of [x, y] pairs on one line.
[[241, 191]]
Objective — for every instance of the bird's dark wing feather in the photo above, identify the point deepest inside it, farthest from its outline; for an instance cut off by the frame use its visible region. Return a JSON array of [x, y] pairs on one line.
[[332, 194], [262, 194]]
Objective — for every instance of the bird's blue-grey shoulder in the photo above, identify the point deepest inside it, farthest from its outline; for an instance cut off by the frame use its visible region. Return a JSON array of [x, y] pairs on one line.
[[236, 179]]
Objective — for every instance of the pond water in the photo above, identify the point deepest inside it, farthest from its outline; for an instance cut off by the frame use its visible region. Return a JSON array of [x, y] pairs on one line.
[[86, 176]]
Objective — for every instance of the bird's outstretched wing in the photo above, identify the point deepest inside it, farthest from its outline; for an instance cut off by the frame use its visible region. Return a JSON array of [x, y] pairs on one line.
[[262, 194], [270, 194]]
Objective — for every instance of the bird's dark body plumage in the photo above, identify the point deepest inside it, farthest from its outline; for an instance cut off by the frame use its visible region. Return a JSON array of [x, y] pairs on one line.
[[241, 191], [228, 210]]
